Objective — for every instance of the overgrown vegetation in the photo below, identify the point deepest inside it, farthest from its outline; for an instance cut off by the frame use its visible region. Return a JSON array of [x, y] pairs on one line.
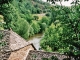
[[18, 15], [64, 33]]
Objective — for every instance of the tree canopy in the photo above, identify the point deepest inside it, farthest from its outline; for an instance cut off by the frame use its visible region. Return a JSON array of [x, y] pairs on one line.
[[63, 35]]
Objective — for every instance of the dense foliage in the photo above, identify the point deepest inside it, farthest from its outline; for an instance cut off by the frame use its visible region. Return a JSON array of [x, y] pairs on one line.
[[64, 33], [18, 16]]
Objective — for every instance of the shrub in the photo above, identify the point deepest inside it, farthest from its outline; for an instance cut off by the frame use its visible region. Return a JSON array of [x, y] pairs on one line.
[[36, 17], [48, 14], [35, 26]]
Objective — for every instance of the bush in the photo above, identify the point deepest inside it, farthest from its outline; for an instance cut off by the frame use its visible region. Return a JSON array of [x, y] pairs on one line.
[[29, 17], [21, 27], [48, 14], [44, 11], [35, 26], [39, 11], [36, 17], [43, 26], [31, 31], [45, 20], [51, 39]]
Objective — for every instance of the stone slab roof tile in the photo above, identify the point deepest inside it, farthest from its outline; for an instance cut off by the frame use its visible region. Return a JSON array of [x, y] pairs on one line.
[[16, 42], [21, 54]]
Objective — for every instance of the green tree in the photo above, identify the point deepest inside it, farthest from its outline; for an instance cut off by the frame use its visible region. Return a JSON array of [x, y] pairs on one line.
[[48, 14], [43, 26], [36, 17], [35, 26], [21, 27], [45, 20], [68, 40], [31, 31], [50, 41]]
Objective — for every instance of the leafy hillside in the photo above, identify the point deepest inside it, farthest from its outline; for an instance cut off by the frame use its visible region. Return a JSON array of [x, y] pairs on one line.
[[64, 33], [18, 16], [40, 6]]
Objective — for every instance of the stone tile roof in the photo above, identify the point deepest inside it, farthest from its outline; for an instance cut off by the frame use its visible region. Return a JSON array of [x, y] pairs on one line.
[[17, 42], [21, 54], [15, 46]]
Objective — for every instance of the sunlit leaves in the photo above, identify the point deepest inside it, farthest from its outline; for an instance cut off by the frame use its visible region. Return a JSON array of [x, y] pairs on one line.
[[20, 27], [35, 26], [64, 34], [45, 20], [51, 37]]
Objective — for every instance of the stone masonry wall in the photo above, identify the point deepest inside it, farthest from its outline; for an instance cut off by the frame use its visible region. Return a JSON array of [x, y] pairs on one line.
[[4, 45], [38, 55]]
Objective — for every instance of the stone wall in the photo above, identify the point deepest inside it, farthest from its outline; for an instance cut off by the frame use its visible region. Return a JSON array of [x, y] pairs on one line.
[[38, 55], [4, 45]]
